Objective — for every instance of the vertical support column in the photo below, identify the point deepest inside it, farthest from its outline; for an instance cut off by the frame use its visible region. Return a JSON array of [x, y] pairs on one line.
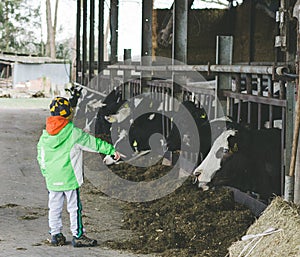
[[251, 31], [114, 13], [287, 26], [127, 92], [92, 40], [146, 60], [84, 43], [291, 37], [101, 37], [147, 7], [179, 46], [223, 56], [78, 25], [180, 30], [289, 130]]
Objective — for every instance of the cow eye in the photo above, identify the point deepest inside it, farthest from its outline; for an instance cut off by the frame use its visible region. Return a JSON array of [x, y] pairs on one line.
[[225, 150]]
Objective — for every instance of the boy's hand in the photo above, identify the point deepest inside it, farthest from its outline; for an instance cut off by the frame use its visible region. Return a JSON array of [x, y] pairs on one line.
[[117, 156]]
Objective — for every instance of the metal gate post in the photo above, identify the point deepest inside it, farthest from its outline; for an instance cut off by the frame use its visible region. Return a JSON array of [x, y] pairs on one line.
[[289, 193], [289, 130], [146, 60], [114, 21], [127, 92], [179, 44], [223, 81]]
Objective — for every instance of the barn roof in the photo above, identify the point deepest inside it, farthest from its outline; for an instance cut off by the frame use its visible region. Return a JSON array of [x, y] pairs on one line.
[[8, 59]]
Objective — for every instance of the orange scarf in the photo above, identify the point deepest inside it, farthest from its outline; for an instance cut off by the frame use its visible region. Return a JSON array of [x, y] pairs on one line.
[[54, 124]]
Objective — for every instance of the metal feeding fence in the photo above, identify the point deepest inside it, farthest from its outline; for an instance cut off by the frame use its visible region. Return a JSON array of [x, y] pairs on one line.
[[253, 94]]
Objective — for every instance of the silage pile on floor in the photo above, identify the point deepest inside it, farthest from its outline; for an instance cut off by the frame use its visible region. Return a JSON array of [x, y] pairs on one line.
[[284, 219], [187, 222]]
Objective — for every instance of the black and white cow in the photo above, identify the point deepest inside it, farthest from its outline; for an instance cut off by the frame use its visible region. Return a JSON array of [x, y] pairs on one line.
[[138, 126], [75, 93], [185, 137], [207, 130], [111, 104], [246, 159]]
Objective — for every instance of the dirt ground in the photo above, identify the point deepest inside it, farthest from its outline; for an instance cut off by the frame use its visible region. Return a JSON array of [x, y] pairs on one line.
[[187, 222]]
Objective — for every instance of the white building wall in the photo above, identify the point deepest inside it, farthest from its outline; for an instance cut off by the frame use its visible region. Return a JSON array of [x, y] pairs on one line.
[[57, 73]]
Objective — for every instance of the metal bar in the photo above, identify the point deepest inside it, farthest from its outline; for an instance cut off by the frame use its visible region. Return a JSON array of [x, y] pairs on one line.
[[256, 99], [249, 113], [282, 92], [238, 83], [114, 12], [239, 112], [270, 95], [259, 84], [270, 87], [84, 43], [249, 91], [78, 25], [289, 124], [101, 36], [126, 94], [249, 83], [283, 145], [147, 6], [259, 115], [251, 31], [270, 116], [231, 106], [218, 68], [223, 57], [92, 40], [180, 30], [91, 90]]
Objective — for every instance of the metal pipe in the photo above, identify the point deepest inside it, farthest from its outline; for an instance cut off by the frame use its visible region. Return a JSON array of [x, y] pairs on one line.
[[114, 12], [84, 42], [78, 25], [92, 40], [147, 31], [101, 37], [180, 30], [246, 69]]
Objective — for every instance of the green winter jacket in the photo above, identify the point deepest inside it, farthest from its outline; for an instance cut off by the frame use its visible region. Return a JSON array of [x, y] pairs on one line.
[[60, 156]]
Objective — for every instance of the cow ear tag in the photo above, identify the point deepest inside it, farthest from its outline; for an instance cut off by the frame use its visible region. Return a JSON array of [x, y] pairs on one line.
[[235, 148], [126, 105], [203, 116]]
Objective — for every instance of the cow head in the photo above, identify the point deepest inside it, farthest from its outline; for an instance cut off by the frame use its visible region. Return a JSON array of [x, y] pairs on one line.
[[212, 163]]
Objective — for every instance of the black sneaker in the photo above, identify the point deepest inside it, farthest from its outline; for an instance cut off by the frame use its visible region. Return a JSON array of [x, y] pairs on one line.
[[58, 240], [83, 241]]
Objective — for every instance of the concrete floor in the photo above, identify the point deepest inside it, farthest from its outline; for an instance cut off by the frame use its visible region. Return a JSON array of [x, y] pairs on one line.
[[23, 201]]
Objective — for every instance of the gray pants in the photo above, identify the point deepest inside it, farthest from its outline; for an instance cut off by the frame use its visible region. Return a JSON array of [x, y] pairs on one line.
[[56, 202]]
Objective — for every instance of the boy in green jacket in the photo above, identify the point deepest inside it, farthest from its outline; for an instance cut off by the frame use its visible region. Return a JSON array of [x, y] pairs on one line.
[[60, 158]]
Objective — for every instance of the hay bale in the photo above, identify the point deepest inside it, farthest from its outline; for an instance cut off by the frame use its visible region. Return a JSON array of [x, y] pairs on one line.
[[284, 218]]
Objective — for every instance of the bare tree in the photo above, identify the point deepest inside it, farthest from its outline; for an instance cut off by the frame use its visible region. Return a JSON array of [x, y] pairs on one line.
[[51, 29]]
